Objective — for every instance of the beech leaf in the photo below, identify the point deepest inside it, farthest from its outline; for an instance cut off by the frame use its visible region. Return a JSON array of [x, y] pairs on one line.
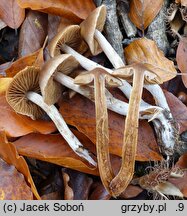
[[75, 10], [145, 51], [54, 149], [181, 58], [11, 13], [142, 12], [9, 154], [80, 113], [33, 33]]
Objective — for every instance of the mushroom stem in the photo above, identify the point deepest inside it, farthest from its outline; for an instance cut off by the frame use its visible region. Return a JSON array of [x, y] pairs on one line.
[[163, 122], [108, 50], [62, 127], [113, 103], [102, 133], [124, 176]]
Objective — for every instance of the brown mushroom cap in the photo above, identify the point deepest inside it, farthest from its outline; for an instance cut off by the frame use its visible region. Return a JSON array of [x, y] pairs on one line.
[[88, 78], [24, 81], [95, 20], [51, 89], [70, 36]]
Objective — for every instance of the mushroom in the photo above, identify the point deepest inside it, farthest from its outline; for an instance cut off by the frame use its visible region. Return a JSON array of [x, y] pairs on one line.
[[91, 29], [140, 73], [167, 134], [71, 37], [50, 87], [23, 95], [100, 77]]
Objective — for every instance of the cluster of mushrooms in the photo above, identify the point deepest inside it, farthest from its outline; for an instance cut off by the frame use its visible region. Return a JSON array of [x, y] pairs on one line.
[[35, 90]]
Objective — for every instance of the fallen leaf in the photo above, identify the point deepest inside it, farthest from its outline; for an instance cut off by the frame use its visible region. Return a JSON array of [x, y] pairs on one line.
[[9, 154], [143, 50], [181, 58], [98, 192], [181, 182], [75, 10], [131, 192], [80, 113], [16, 125], [54, 149], [33, 33], [178, 110], [53, 23], [25, 61], [11, 13], [142, 12]]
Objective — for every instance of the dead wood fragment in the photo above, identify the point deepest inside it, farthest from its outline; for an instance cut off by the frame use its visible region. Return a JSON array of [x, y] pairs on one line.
[[157, 30], [112, 30], [129, 27]]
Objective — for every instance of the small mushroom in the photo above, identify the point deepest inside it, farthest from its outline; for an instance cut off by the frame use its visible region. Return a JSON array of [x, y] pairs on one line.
[[100, 77], [23, 95], [91, 29], [70, 37], [141, 73], [50, 87]]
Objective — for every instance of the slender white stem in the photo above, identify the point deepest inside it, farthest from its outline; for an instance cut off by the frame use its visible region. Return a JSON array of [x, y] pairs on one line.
[[113, 103], [62, 127], [163, 123], [90, 65], [108, 50]]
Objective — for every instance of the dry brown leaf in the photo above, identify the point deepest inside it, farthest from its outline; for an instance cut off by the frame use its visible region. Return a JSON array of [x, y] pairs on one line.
[[11, 13], [142, 12], [99, 192], [131, 191], [80, 113], [181, 58], [9, 154], [181, 182], [146, 51], [53, 23], [178, 110], [54, 149], [25, 61], [33, 33], [75, 10], [16, 125]]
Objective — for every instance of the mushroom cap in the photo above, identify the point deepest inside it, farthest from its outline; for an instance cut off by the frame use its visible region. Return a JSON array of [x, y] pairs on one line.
[[95, 20], [70, 36], [24, 81], [88, 78], [150, 76], [52, 90]]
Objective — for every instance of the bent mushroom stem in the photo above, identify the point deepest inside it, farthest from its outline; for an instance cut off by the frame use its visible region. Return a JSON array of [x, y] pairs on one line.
[[108, 50], [62, 127], [126, 172], [100, 77], [164, 125]]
